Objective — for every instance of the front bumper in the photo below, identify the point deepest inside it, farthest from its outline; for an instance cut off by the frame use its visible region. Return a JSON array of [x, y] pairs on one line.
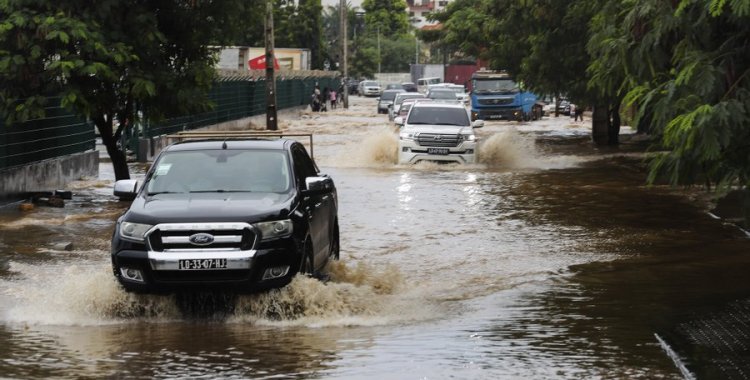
[[497, 113], [244, 272], [410, 152]]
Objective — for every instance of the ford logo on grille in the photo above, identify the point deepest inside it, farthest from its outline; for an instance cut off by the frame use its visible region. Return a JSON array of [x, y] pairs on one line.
[[201, 239]]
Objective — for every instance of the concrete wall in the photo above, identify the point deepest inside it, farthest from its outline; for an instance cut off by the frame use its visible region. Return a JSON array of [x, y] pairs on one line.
[[47, 175], [388, 78]]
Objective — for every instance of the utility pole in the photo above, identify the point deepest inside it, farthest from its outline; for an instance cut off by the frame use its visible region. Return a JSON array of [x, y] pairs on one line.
[[378, 49], [344, 49], [271, 120]]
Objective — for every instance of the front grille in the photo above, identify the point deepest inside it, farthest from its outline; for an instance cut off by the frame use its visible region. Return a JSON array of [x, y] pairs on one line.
[[438, 140], [495, 102], [224, 236]]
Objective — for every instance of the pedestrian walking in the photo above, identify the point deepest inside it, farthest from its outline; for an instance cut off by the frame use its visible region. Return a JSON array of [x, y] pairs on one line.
[[334, 98], [579, 113]]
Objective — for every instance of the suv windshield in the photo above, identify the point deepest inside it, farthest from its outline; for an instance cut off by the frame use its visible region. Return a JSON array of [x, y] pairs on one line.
[[439, 116], [389, 94], [220, 171]]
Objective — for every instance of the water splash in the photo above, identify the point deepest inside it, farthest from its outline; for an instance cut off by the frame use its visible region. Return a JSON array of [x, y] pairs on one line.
[[511, 149], [377, 149]]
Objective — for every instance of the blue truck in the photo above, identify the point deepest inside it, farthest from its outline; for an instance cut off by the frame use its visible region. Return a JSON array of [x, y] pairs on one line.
[[495, 95]]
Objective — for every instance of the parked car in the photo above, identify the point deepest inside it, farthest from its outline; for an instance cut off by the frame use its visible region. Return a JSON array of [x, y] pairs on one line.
[[393, 86], [437, 131], [369, 88], [353, 86], [393, 110], [239, 215], [386, 99]]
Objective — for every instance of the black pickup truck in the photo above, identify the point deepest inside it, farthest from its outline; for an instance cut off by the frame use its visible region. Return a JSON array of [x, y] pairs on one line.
[[239, 215]]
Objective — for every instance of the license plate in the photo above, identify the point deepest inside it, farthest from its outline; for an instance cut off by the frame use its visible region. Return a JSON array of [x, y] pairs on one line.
[[497, 116], [440, 151], [193, 264]]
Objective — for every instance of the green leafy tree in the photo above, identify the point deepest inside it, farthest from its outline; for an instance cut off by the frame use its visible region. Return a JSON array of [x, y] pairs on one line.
[[386, 17], [110, 59]]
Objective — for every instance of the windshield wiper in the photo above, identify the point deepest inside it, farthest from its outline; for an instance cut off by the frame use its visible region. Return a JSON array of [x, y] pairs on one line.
[[220, 191], [165, 192]]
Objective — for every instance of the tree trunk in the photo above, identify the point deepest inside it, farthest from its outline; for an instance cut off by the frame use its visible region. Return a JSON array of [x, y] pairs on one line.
[[600, 128], [117, 155]]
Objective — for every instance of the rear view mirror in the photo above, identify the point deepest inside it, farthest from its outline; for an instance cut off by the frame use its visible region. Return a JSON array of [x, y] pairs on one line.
[[318, 185], [477, 123], [399, 120]]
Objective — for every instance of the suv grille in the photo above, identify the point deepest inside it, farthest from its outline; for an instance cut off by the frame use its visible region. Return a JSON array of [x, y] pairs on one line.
[[216, 236], [495, 102], [438, 140]]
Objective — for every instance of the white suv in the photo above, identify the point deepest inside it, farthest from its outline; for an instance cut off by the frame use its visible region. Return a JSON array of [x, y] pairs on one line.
[[437, 131]]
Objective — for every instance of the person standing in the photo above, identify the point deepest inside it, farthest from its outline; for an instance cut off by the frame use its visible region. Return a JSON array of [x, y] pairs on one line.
[[579, 113], [333, 97]]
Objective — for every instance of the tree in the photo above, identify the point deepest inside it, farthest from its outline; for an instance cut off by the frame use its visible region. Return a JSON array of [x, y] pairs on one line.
[[386, 17], [110, 60]]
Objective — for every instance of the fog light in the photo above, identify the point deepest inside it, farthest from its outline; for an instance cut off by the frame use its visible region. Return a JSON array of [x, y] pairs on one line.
[[275, 272], [132, 274], [405, 149]]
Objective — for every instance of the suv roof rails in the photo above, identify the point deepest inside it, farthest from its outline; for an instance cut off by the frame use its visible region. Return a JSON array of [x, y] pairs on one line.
[[235, 135]]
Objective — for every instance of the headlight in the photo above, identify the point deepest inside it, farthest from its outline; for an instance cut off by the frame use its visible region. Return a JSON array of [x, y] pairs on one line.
[[275, 229], [406, 136], [469, 137], [134, 231]]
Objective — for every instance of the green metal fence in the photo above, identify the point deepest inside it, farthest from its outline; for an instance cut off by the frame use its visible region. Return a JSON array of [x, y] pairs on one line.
[[60, 133], [239, 98]]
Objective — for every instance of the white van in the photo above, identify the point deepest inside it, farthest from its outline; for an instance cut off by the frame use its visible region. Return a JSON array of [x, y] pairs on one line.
[[424, 83]]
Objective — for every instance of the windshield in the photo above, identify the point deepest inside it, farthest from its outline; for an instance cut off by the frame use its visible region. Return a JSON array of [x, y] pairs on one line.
[[389, 95], [494, 86], [370, 83], [446, 94], [439, 116], [208, 171], [400, 99]]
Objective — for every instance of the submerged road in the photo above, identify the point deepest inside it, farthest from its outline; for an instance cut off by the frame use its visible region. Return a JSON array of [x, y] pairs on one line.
[[550, 258]]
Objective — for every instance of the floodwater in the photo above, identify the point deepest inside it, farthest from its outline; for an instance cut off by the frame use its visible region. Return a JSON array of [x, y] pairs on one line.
[[550, 258]]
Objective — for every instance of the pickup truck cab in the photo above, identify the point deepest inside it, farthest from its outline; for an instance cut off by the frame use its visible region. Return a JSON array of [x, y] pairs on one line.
[[240, 215], [437, 131]]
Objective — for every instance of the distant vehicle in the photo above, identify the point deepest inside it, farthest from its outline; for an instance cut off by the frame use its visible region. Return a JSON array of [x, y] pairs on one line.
[[386, 99], [409, 87], [424, 83], [442, 93], [369, 88], [399, 99], [495, 95], [353, 86], [237, 215], [437, 131], [393, 86]]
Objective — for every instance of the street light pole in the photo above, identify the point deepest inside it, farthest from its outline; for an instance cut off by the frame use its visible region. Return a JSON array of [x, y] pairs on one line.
[[344, 49], [271, 120]]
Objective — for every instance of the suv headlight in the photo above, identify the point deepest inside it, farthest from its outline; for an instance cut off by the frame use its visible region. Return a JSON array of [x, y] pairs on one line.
[[134, 231], [469, 137], [275, 229], [406, 136]]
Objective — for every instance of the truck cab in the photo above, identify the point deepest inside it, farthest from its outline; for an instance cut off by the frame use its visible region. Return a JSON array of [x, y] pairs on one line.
[[495, 95]]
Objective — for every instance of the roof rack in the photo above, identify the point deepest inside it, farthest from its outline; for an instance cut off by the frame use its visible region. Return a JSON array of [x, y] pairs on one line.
[[235, 135]]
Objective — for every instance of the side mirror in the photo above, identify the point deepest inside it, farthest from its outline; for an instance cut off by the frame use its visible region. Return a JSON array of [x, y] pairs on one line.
[[318, 185], [378, 98], [479, 123], [399, 120], [126, 189]]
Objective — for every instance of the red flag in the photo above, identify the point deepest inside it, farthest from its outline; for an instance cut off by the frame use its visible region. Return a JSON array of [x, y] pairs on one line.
[[259, 63]]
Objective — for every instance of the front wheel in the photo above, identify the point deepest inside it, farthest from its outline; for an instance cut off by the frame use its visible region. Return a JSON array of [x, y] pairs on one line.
[[306, 266]]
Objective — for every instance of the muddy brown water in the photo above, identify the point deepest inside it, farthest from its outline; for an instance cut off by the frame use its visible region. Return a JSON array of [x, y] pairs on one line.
[[548, 259]]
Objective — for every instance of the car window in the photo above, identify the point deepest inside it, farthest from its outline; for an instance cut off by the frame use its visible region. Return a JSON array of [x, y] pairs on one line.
[[220, 171], [442, 94], [401, 97], [439, 116], [389, 95], [303, 165]]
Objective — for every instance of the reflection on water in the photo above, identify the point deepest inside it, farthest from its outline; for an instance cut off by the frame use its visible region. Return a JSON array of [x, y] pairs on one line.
[[548, 259]]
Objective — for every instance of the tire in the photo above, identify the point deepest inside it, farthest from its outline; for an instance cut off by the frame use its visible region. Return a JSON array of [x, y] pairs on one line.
[[335, 246], [306, 266]]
